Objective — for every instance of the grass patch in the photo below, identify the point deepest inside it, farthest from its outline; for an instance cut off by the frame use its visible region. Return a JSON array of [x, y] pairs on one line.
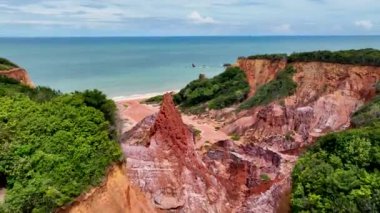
[[282, 86]]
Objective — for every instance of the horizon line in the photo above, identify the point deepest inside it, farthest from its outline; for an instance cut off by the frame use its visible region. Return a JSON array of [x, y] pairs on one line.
[[184, 36]]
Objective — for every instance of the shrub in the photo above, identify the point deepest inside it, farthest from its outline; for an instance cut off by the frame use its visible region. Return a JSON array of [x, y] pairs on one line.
[[5, 64], [11, 87], [53, 146], [367, 114], [264, 177], [221, 91], [235, 137], [280, 56], [154, 100], [341, 171], [282, 86], [52, 152], [98, 100], [368, 56]]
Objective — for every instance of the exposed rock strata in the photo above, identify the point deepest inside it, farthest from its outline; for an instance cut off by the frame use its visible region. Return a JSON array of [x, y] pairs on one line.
[[254, 176], [226, 178], [115, 195], [260, 71]]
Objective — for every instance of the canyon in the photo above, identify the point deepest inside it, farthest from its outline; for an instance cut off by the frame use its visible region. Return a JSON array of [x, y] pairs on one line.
[[169, 167]]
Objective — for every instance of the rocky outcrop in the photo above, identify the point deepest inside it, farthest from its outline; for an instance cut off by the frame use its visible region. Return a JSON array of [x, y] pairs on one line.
[[326, 96], [18, 74], [251, 175], [115, 195], [225, 178], [168, 169], [260, 71]]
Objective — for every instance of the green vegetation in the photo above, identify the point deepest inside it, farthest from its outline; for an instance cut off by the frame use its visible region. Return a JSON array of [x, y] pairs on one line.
[[53, 146], [5, 64], [235, 137], [369, 113], [154, 100], [264, 177], [341, 172], [282, 86], [369, 57], [11, 87], [280, 56], [221, 91]]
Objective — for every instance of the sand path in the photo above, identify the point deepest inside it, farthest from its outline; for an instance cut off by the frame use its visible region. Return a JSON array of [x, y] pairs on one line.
[[133, 111]]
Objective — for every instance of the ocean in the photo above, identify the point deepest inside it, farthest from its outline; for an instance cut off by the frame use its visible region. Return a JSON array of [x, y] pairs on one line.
[[131, 66]]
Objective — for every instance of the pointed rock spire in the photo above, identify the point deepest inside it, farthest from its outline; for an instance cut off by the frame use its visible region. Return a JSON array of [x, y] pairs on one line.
[[169, 129]]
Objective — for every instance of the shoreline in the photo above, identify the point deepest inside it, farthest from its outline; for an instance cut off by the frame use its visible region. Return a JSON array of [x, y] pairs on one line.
[[140, 96]]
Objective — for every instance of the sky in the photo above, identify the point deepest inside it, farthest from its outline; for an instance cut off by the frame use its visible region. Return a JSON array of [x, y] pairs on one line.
[[51, 18]]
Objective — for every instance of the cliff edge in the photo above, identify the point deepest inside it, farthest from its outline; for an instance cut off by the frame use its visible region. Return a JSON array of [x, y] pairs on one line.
[[18, 74]]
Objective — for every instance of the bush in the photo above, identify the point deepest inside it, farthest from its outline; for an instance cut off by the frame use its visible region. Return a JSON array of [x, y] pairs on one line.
[[154, 100], [52, 152], [53, 146], [11, 87], [223, 90], [264, 177], [342, 170], [282, 86], [280, 56], [367, 114], [5, 64], [369, 57], [98, 100], [235, 137]]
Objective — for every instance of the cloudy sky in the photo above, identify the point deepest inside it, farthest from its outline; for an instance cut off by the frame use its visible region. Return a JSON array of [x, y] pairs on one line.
[[188, 17]]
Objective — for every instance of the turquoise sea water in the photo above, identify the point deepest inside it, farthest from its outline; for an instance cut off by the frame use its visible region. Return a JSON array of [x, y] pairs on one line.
[[127, 66]]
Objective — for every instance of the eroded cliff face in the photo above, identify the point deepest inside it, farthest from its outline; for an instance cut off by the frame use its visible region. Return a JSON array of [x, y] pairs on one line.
[[116, 195], [326, 96], [168, 173], [167, 168], [18, 74], [260, 71], [225, 178]]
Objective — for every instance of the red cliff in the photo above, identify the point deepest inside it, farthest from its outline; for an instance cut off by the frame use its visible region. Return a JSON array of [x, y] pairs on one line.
[[18, 74]]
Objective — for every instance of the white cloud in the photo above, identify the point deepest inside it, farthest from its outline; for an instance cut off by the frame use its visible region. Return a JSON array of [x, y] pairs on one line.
[[283, 28], [197, 18], [365, 24]]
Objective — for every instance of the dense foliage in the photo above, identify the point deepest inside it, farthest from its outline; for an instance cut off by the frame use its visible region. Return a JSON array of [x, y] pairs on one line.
[[282, 86], [11, 87], [221, 91], [269, 56], [5, 64], [341, 172], [358, 57], [53, 146]]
